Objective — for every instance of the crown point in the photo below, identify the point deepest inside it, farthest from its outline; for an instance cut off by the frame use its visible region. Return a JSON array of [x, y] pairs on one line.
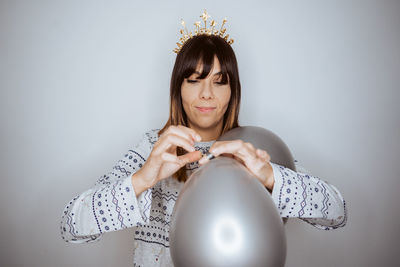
[[205, 15], [199, 30]]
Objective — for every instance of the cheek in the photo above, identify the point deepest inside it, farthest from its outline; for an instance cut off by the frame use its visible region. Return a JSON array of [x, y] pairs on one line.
[[187, 98], [184, 95], [224, 97]]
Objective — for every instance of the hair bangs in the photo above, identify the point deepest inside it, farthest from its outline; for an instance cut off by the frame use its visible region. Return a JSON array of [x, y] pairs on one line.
[[204, 59]]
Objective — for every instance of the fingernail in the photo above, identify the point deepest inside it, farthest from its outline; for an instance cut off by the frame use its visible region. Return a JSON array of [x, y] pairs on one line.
[[198, 138]]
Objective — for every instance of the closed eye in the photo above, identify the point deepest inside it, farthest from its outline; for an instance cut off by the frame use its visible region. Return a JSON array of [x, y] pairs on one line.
[[195, 81]]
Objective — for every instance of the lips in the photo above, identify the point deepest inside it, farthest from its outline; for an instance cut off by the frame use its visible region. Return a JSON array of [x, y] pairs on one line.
[[205, 109]]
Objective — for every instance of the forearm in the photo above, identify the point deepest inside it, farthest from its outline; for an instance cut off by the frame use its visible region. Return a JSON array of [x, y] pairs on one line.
[[309, 198], [74, 229]]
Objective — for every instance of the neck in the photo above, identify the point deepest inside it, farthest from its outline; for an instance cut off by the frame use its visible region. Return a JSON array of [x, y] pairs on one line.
[[208, 134]]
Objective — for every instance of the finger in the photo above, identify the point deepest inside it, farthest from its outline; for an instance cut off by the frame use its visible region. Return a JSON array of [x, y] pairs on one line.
[[237, 147], [211, 152], [263, 154], [210, 156], [232, 147], [238, 159], [175, 140], [190, 131], [170, 158], [181, 160], [174, 130], [251, 150], [220, 147], [250, 146], [206, 157], [242, 150], [227, 155], [185, 132], [246, 154]]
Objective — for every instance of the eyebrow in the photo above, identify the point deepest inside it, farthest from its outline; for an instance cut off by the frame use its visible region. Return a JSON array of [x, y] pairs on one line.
[[214, 73]]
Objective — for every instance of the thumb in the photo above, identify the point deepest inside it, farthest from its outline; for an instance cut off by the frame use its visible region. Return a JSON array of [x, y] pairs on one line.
[[189, 157]]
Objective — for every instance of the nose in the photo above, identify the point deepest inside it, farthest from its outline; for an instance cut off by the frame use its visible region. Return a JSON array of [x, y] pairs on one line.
[[206, 90]]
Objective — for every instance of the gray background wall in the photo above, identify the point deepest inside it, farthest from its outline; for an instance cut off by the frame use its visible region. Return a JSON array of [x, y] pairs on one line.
[[80, 81]]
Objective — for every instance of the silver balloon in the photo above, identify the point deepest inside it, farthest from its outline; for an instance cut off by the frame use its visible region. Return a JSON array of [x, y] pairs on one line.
[[263, 139], [266, 140], [224, 216]]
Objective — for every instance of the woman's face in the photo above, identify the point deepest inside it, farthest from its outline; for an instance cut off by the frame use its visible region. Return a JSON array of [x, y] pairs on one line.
[[205, 101]]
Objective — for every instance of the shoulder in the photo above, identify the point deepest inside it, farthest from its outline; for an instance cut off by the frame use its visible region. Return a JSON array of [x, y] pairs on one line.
[[147, 141], [151, 135], [299, 167]]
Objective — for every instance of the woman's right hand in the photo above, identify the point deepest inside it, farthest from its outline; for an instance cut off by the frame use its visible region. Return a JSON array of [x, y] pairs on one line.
[[163, 160]]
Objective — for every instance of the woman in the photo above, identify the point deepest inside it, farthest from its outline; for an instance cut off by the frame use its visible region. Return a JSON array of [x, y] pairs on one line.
[[141, 189]]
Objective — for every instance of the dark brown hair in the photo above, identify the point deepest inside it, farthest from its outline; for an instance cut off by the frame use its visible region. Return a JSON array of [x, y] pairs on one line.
[[202, 48]]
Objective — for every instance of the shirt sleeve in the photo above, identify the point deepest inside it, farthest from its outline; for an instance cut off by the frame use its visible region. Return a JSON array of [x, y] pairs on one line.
[[111, 204], [309, 198]]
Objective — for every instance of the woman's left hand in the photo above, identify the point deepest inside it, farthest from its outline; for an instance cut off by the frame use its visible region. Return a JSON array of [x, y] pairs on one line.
[[256, 160]]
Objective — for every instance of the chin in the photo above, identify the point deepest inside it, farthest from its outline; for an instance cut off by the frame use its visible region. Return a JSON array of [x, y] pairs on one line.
[[206, 123]]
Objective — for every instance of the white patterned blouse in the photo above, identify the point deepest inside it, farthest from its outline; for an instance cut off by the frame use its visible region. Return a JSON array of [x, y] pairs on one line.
[[111, 204]]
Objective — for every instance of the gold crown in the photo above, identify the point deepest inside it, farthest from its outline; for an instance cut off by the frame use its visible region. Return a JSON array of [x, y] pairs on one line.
[[204, 30]]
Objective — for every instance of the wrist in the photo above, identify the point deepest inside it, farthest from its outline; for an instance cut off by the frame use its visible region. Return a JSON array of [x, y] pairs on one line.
[[270, 181], [270, 186], [139, 182]]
